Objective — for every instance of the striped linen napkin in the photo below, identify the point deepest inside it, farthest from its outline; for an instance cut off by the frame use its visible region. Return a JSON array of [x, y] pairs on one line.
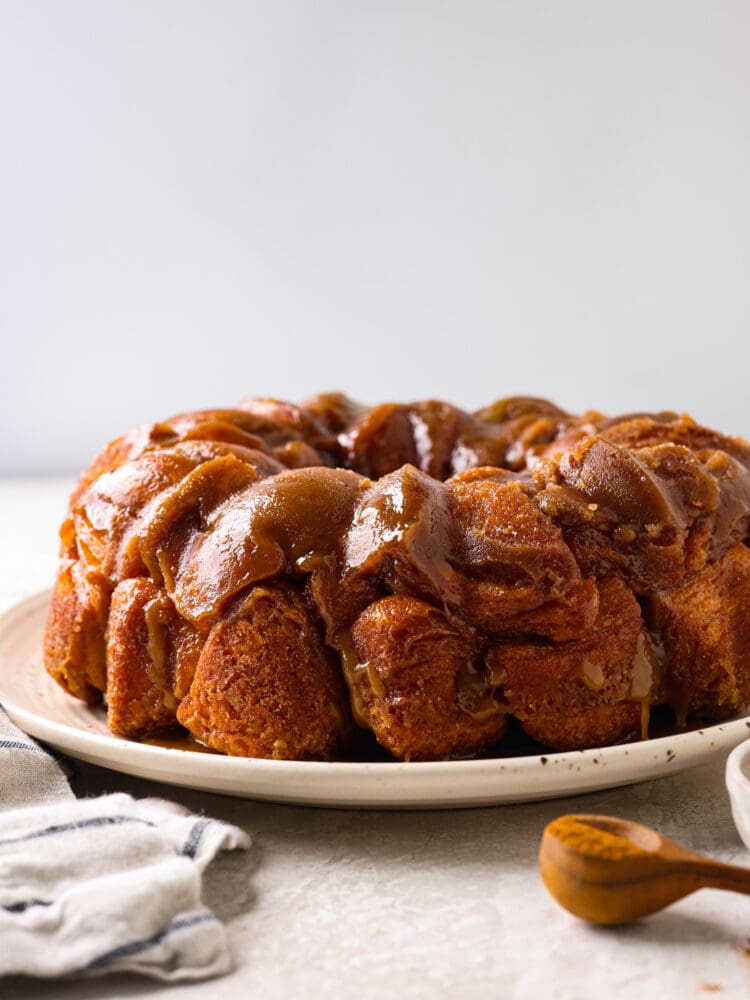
[[110, 883]]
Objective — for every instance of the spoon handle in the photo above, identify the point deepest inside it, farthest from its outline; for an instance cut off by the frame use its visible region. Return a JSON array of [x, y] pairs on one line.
[[718, 875]]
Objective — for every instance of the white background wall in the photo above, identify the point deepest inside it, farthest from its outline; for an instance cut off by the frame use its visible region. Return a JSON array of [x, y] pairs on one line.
[[204, 201]]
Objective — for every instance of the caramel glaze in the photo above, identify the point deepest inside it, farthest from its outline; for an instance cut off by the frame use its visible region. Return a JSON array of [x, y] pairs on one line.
[[526, 529], [177, 739]]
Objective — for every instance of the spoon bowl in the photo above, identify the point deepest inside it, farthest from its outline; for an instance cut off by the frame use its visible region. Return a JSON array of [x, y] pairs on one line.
[[609, 870]]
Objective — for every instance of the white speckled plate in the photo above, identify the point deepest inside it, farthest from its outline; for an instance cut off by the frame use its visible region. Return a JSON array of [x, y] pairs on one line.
[[42, 709]]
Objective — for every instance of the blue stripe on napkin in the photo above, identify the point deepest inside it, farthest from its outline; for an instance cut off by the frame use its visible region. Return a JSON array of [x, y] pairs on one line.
[[136, 947], [48, 831]]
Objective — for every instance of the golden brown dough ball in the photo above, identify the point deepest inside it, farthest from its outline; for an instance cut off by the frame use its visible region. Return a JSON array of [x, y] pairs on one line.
[[265, 686], [584, 693], [140, 697], [74, 636], [519, 576], [418, 682], [705, 629]]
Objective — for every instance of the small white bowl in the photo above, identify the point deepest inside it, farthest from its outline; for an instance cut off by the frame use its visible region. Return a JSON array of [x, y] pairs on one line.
[[738, 786]]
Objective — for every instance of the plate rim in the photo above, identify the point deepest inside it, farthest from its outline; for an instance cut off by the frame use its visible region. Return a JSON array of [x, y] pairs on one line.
[[408, 777]]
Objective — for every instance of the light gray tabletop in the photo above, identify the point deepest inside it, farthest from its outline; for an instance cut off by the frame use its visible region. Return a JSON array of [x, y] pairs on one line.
[[412, 905]]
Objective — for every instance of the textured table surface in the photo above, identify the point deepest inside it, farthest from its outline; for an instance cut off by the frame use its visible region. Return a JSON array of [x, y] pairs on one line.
[[413, 905]]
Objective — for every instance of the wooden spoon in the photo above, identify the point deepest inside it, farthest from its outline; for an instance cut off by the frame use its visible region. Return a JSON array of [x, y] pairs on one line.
[[609, 870]]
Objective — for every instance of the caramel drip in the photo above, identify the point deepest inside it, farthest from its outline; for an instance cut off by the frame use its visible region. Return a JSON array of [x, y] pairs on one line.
[[353, 670], [156, 616], [474, 695], [591, 674], [184, 741], [670, 692], [644, 679]]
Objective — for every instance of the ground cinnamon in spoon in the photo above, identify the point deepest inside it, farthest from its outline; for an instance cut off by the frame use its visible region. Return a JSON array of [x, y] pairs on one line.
[[587, 839]]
